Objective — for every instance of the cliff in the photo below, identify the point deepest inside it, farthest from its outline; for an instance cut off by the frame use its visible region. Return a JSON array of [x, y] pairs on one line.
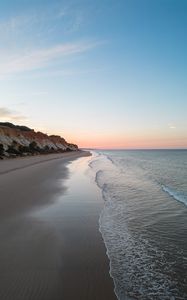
[[21, 141]]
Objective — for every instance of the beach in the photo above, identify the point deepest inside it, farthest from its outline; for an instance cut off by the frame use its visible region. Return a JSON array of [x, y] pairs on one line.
[[51, 247]]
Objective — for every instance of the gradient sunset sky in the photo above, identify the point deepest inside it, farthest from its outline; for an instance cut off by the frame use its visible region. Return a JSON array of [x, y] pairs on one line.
[[109, 74]]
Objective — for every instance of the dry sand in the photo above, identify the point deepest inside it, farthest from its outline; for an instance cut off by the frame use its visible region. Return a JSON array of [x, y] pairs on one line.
[[58, 256]]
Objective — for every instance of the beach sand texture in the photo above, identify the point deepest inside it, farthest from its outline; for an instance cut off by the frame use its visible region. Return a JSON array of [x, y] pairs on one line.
[[51, 247]]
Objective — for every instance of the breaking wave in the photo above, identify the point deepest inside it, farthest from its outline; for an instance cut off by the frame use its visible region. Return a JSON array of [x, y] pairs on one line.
[[138, 265], [176, 195]]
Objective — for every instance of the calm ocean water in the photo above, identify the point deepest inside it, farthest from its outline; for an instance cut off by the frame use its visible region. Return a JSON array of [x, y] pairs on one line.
[[144, 221]]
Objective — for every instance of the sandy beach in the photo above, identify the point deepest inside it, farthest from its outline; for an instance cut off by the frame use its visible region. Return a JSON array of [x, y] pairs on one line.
[[51, 247]]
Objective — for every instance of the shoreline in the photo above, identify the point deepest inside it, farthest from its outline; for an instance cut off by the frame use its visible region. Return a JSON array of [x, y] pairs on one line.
[[12, 164], [49, 231]]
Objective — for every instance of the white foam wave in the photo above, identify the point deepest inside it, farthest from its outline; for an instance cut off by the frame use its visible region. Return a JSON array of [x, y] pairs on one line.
[[138, 268], [176, 195]]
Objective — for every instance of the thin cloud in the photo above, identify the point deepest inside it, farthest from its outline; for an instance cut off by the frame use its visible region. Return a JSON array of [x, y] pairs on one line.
[[20, 34], [7, 114], [38, 59], [12, 24], [54, 73], [18, 26], [171, 126], [67, 19], [71, 18], [32, 94]]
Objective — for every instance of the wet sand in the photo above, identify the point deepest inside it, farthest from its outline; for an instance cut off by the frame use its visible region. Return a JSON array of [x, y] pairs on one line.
[[51, 247]]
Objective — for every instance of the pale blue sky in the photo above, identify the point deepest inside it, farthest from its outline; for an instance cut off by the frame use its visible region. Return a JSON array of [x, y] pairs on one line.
[[101, 73]]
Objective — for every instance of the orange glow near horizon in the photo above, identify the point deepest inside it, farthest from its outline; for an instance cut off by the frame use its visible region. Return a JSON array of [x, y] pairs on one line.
[[128, 140], [99, 141]]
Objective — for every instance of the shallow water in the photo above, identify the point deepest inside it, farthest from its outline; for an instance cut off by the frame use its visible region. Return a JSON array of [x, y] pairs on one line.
[[144, 221]]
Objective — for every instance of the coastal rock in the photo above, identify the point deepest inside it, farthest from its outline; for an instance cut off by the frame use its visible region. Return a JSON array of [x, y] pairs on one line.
[[21, 140]]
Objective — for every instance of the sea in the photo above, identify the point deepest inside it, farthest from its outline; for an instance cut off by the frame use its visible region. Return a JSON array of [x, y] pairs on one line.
[[144, 221]]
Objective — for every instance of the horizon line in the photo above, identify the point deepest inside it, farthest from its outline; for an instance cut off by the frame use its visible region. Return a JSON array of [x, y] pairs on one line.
[[123, 149]]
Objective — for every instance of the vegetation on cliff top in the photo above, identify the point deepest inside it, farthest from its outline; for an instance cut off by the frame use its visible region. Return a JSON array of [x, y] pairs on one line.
[[20, 127]]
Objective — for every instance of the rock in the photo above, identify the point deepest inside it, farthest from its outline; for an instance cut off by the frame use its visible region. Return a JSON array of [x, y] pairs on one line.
[[21, 141]]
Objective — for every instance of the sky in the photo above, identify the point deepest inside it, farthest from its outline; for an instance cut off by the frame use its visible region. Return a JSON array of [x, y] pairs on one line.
[[102, 74]]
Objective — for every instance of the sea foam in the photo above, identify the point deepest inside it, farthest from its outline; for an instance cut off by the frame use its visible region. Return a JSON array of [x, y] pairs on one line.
[[176, 195], [138, 265]]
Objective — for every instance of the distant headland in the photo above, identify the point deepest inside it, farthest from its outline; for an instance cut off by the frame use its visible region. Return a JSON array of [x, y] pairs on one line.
[[18, 141]]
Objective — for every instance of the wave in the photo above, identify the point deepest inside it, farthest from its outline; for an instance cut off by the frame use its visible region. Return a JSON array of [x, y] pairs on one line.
[[133, 261], [176, 195], [138, 264], [110, 159]]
